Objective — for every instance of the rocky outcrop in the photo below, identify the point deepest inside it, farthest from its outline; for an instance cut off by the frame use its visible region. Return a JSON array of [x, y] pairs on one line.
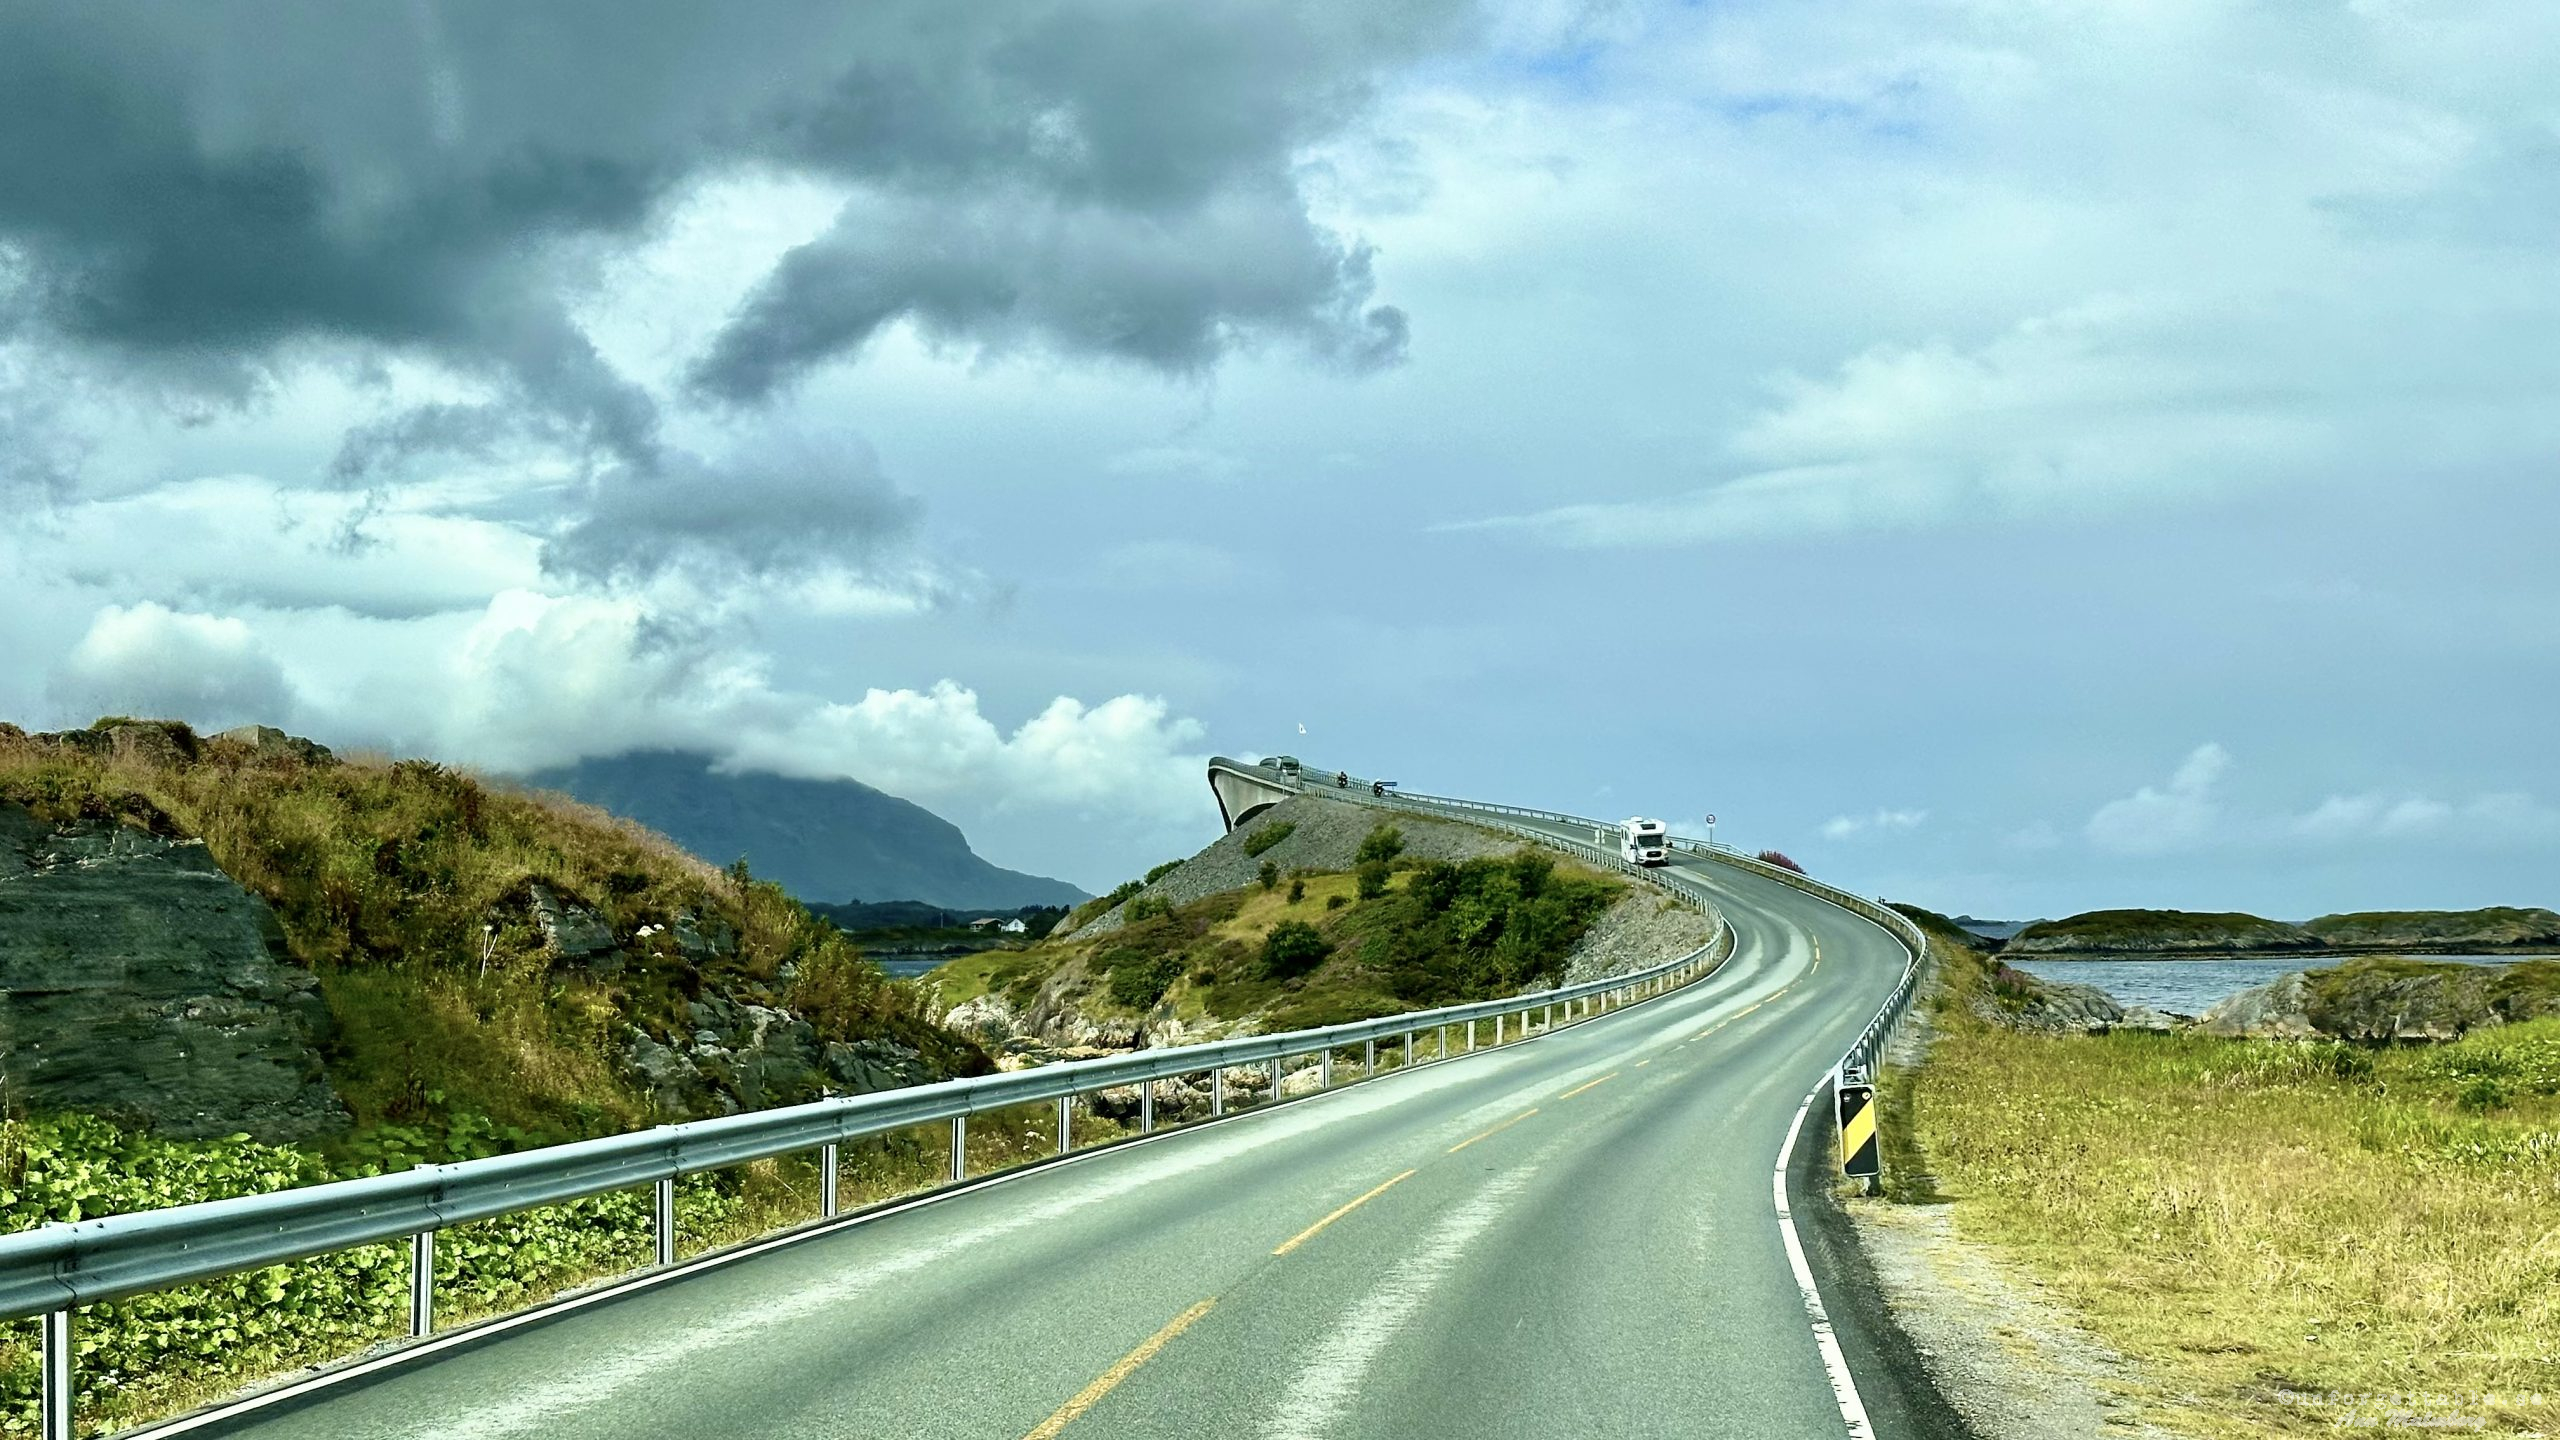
[[2281, 1008], [139, 980], [752, 1057], [2444, 932], [2391, 999], [2022, 1001]]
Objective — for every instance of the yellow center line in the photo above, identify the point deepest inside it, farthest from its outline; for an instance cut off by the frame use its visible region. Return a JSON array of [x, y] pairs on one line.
[[1578, 1089], [1303, 1236], [1642, 1063], [1496, 1130], [1110, 1379]]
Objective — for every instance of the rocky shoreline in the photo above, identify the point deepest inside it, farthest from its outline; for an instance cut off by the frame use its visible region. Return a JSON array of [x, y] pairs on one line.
[[2370, 998]]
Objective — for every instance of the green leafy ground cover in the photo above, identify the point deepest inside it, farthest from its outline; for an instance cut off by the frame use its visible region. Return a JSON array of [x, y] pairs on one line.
[[1397, 934]]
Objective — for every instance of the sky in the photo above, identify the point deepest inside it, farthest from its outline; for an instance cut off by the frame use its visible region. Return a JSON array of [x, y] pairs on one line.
[[2017, 456]]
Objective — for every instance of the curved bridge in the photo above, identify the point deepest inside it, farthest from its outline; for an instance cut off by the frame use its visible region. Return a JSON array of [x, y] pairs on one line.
[[1245, 789]]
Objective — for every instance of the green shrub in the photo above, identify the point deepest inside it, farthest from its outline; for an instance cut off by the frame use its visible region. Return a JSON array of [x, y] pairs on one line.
[[1270, 874], [1297, 891], [1383, 844], [1293, 948], [1268, 836], [1336, 902], [1148, 907], [1160, 872], [1372, 876], [2484, 1093], [1137, 980]]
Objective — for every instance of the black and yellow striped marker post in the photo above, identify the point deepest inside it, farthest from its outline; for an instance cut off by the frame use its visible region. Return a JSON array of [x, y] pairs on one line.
[[1858, 1148]]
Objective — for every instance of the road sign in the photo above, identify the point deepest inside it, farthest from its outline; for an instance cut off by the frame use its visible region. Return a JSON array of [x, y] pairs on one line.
[[1711, 819], [1857, 1129]]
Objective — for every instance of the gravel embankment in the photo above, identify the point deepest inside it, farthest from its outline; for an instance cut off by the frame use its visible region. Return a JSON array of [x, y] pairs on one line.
[[1645, 927]]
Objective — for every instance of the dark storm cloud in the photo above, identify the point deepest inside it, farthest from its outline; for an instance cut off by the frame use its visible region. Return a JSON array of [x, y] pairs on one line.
[[780, 508], [205, 183], [197, 194]]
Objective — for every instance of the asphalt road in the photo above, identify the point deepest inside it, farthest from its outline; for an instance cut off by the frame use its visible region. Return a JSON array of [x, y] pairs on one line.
[[1569, 1237]]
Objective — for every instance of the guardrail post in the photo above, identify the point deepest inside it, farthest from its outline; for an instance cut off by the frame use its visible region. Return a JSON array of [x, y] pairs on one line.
[[422, 1284], [829, 1201], [1444, 1044], [59, 1401], [1550, 1021], [1497, 1029], [1408, 1050], [1147, 1106], [1066, 1123], [1324, 1070], [1471, 1037], [1369, 1059], [1217, 1092], [959, 1148], [1277, 1061], [666, 1218]]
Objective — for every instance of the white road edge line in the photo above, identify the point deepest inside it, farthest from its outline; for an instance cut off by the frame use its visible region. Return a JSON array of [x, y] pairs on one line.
[[1844, 1387]]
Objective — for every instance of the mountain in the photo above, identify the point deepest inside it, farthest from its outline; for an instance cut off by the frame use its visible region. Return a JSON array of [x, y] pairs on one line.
[[833, 841]]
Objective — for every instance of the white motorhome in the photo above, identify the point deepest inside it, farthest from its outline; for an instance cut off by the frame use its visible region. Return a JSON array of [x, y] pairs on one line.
[[1644, 842]]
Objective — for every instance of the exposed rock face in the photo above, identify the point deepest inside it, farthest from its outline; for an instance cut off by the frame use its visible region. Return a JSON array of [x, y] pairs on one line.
[[2053, 1007], [2391, 999], [753, 1057], [138, 980], [2279, 1008]]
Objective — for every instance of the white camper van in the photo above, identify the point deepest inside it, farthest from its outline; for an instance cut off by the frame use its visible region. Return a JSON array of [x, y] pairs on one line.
[[1644, 842]]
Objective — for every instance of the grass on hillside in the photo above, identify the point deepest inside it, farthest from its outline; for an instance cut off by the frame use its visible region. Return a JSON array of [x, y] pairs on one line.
[[2265, 1227], [2103, 929], [1433, 933], [384, 874]]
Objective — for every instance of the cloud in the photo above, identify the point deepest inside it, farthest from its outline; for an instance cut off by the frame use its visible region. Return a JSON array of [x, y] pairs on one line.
[[2189, 813], [233, 541], [1007, 272], [151, 661], [208, 194], [2158, 820], [1850, 827], [538, 680], [777, 508], [2084, 412], [2501, 817]]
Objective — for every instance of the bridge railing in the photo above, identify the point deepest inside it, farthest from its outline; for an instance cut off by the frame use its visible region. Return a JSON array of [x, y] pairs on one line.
[[53, 1269]]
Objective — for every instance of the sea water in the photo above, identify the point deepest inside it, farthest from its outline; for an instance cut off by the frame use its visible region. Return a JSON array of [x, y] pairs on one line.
[[2191, 987]]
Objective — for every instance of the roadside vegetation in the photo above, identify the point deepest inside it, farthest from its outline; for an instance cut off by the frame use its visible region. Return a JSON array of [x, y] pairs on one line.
[[2268, 1229], [408, 889], [1392, 934]]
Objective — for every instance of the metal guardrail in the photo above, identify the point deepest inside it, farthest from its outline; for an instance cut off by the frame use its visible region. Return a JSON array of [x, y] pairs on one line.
[[53, 1269]]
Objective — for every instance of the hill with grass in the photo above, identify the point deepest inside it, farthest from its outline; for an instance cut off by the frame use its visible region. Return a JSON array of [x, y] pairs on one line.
[[2180, 933], [247, 933], [833, 841], [1315, 914]]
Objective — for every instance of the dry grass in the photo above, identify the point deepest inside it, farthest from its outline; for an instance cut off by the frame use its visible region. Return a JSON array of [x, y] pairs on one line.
[[2267, 1228]]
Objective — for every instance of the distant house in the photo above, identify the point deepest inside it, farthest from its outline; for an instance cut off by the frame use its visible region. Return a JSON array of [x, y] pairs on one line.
[[1013, 926], [984, 923]]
